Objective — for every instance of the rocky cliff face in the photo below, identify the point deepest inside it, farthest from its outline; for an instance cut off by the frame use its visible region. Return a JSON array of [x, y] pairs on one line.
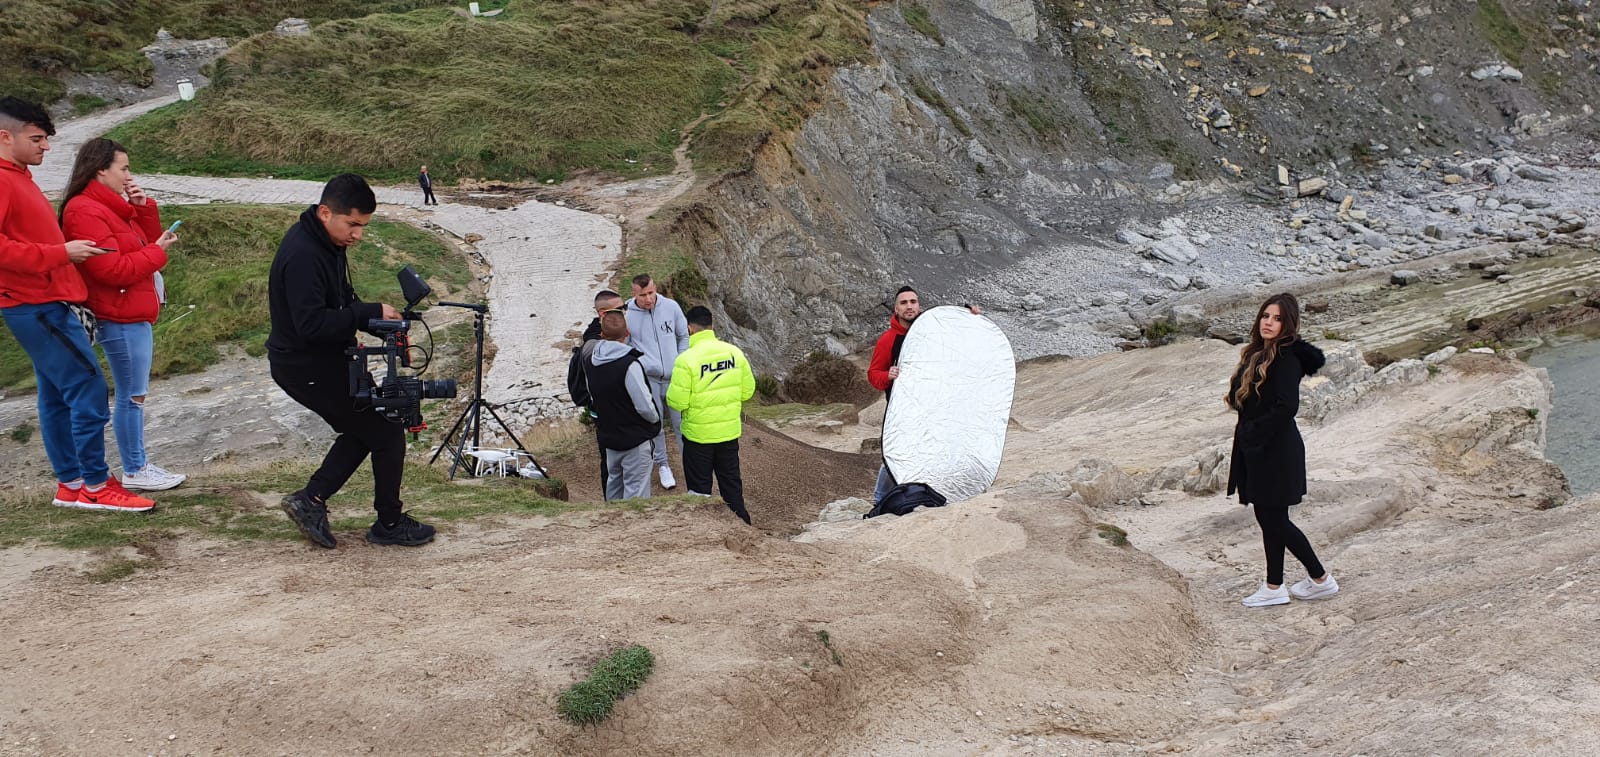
[[988, 133]]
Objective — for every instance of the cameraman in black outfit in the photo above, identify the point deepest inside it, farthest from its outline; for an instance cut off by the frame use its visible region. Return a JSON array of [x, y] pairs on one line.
[[315, 315]]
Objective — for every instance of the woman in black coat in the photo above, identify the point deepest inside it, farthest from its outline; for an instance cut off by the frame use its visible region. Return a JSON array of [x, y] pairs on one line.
[[1269, 459]]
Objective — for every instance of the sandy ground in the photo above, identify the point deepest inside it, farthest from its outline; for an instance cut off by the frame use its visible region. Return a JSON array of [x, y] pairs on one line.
[[1008, 624]]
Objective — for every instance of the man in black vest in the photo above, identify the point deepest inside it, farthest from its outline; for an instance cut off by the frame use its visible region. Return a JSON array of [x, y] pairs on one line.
[[626, 416], [577, 381]]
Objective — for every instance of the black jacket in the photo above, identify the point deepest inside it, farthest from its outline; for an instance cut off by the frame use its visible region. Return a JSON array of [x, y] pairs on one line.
[[1269, 458], [314, 309]]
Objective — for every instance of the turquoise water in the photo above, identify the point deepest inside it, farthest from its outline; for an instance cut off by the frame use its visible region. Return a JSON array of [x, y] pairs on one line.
[[1573, 440]]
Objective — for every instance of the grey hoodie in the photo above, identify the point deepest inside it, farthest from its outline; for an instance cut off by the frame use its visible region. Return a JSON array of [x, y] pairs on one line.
[[660, 333], [602, 351]]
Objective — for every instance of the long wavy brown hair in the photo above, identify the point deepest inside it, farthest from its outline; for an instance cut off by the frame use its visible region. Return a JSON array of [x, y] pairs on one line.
[[1257, 356], [94, 156]]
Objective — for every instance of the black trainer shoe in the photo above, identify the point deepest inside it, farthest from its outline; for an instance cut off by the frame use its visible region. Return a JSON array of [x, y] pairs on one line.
[[311, 517], [406, 532]]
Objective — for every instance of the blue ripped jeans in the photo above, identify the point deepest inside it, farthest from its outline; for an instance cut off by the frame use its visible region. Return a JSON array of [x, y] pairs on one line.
[[128, 349]]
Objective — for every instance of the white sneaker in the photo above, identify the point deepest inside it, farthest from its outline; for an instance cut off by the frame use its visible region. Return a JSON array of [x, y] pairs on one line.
[[150, 479], [182, 477], [1265, 597], [1306, 588], [667, 481]]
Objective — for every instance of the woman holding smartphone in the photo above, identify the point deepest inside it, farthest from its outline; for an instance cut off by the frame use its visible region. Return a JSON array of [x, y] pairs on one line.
[[1269, 457], [104, 204]]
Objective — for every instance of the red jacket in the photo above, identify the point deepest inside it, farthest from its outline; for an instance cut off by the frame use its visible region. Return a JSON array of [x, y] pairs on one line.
[[883, 355], [34, 267], [121, 282]]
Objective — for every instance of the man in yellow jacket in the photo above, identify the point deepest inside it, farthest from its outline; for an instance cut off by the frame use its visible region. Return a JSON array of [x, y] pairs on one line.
[[710, 383]]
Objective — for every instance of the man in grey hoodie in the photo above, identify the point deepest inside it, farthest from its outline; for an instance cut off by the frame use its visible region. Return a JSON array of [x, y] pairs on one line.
[[627, 417], [660, 331]]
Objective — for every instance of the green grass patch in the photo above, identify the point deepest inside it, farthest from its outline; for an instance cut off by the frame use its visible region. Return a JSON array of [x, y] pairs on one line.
[[244, 506], [1334, 336], [786, 413], [116, 569], [83, 104], [1037, 112], [540, 91], [827, 645], [217, 282], [591, 700], [1112, 535], [926, 93], [22, 432], [1502, 31], [917, 17], [43, 37]]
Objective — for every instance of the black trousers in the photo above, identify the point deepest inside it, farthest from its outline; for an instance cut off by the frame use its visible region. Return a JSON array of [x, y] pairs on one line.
[[325, 390], [701, 461], [427, 196], [1278, 533], [605, 470]]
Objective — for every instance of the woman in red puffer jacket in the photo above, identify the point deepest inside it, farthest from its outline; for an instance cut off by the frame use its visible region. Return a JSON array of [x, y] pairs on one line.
[[102, 203]]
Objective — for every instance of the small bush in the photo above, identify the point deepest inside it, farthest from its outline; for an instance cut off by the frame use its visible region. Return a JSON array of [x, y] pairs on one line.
[[822, 378], [1113, 535], [767, 385], [1533, 413], [1160, 331], [590, 701], [22, 432], [1334, 336]]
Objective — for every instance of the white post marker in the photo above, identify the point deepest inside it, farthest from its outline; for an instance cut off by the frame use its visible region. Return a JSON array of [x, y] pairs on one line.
[[185, 90], [472, 8]]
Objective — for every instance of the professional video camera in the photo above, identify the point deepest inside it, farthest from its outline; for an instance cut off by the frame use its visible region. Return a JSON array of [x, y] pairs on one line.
[[399, 398]]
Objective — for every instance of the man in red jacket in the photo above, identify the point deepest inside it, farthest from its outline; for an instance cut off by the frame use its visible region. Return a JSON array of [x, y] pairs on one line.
[[885, 365], [38, 287]]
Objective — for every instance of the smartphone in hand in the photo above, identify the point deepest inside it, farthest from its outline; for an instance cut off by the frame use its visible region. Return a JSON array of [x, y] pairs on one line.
[[173, 229]]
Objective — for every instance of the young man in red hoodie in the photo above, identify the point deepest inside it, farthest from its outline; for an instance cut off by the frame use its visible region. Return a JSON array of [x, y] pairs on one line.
[[885, 368], [885, 365], [38, 284]]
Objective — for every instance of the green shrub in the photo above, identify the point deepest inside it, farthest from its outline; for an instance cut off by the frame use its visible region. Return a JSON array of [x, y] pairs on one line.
[[590, 701]]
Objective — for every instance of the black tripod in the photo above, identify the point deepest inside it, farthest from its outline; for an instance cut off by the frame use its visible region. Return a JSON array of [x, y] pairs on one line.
[[470, 423]]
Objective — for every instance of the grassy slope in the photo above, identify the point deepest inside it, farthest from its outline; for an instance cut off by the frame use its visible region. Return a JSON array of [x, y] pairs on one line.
[[105, 35], [219, 267], [540, 91]]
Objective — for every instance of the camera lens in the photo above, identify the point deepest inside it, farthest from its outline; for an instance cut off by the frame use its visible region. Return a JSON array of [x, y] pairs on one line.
[[438, 388]]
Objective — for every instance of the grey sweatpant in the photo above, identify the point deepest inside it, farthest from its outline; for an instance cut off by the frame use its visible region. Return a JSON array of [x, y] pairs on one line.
[[669, 419], [628, 472]]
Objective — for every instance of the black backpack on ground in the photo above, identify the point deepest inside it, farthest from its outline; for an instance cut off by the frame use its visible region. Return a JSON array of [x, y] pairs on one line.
[[904, 498]]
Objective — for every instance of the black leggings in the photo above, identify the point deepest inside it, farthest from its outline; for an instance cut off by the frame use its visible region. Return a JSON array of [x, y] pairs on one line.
[[1277, 532]]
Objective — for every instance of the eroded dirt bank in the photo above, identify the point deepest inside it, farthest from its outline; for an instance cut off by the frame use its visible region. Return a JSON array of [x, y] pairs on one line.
[[1013, 623]]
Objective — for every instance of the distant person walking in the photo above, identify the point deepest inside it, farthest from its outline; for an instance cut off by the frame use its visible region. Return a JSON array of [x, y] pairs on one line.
[[1269, 457], [659, 331], [104, 204], [39, 289], [626, 415], [711, 381], [427, 187]]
